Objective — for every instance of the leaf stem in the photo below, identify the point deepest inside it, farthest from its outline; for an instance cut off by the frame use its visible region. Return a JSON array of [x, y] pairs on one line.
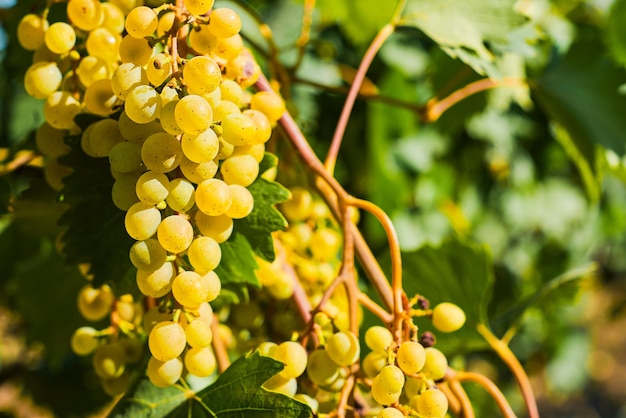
[[467, 410], [221, 352]]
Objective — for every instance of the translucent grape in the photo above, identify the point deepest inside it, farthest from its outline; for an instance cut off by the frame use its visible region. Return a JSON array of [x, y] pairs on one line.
[[214, 284], [126, 77], [256, 151], [125, 157], [231, 91], [267, 348], [85, 14], [218, 227], [387, 386], [42, 79], [279, 384], [202, 40], [161, 152], [137, 132], [147, 255], [262, 123], [411, 357], [167, 118], [152, 187], [142, 221], [167, 340], [343, 348], [142, 21], [373, 363], [95, 303], [99, 97], [432, 403], [198, 333], [31, 31], [241, 170], [200, 148], [242, 204], [325, 244], [321, 369], [60, 38], [152, 317], [163, 374], [436, 364], [228, 48], [448, 317], [390, 413], [189, 289], [294, 356], [224, 22], [299, 206], [92, 68], [238, 129], [193, 114], [113, 18], [198, 7], [123, 190], [204, 254], [175, 233], [198, 172], [103, 43], [213, 197], [156, 283], [135, 50], [104, 136], [181, 196], [202, 74], [223, 109], [200, 361], [51, 141], [166, 21], [84, 341], [109, 360], [143, 104], [60, 109], [159, 68], [269, 103]]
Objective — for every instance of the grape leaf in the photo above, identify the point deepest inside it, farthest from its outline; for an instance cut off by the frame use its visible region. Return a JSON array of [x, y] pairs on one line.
[[238, 393], [238, 263], [616, 31]]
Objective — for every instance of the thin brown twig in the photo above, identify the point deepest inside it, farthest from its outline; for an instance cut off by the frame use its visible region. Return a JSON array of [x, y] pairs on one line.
[[219, 348]]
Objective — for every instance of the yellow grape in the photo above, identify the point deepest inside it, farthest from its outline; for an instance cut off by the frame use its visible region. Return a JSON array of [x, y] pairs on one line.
[[373, 363], [214, 285], [143, 104], [198, 333], [181, 196], [321, 369], [92, 68], [431, 403], [238, 129], [113, 18], [117, 385], [135, 50], [175, 233], [267, 348], [126, 77], [51, 141], [411, 357], [231, 91], [269, 103], [125, 157], [279, 384], [167, 340], [123, 191], [164, 373], [109, 360], [152, 188], [227, 48], [325, 244], [213, 197], [390, 413], [147, 255], [142, 221], [343, 348], [140, 22], [159, 68], [224, 22], [256, 151], [448, 317], [161, 152], [103, 43], [387, 386], [198, 7], [167, 118], [198, 172], [84, 341], [156, 283], [42, 79], [200, 148], [85, 14], [137, 132], [200, 361], [436, 364], [193, 114], [240, 169], [152, 317], [104, 136], [242, 204], [202, 75], [60, 38], [189, 289], [31, 31], [166, 21], [262, 123], [95, 303], [218, 227], [223, 109], [204, 254], [298, 208], [60, 109], [294, 357]]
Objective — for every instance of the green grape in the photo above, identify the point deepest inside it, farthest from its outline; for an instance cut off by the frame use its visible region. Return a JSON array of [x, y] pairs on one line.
[[99, 98], [60, 38], [85, 14], [448, 317], [411, 357], [164, 373], [204, 254], [31, 31], [103, 43], [431, 403], [231, 91], [126, 77], [213, 197], [189, 289], [200, 148], [198, 333], [242, 204], [294, 356], [85, 140], [224, 22], [256, 151], [241, 170], [343, 348], [137, 132], [387, 386], [373, 363], [338, 383], [298, 208], [42, 79], [93, 68], [269, 103], [159, 68], [175, 233], [321, 369], [60, 109], [223, 109], [218, 227], [263, 126], [167, 118], [84, 341], [51, 141], [142, 221], [167, 340], [137, 51], [181, 196], [95, 303], [125, 157], [113, 18], [378, 339], [152, 188], [436, 364], [108, 360], [200, 361], [412, 386], [238, 129], [104, 136], [202, 74], [143, 104], [156, 283], [123, 191], [280, 384], [198, 172], [140, 22], [117, 385], [390, 413], [198, 7], [267, 348], [147, 255], [193, 114], [161, 152], [133, 349]]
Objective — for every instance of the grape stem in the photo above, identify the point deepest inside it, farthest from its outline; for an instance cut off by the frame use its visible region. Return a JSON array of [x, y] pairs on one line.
[[219, 348], [466, 406], [454, 405], [20, 160]]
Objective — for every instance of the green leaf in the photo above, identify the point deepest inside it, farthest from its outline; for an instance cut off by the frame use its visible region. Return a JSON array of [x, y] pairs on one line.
[[147, 400], [580, 92], [264, 219], [616, 31], [462, 27], [456, 271], [95, 226], [238, 393], [238, 263]]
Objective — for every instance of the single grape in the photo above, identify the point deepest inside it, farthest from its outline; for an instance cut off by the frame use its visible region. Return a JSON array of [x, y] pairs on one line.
[[279, 384], [200, 361], [109, 360], [142, 221], [223, 109], [164, 373], [181, 196], [411, 357], [126, 77], [103, 43], [387, 386], [104, 136], [262, 123], [204, 254], [198, 172], [140, 22], [42, 79], [321, 369], [218, 227], [213, 197], [147, 255], [267, 348], [378, 339], [193, 114], [159, 68], [198, 7], [60, 109], [135, 50], [238, 129], [373, 363], [269, 103], [161, 152], [436, 364], [125, 157], [117, 385], [60, 38], [31, 31], [156, 283], [93, 68], [152, 188], [242, 204], [448, 317], [298, 207], [432, 403], [202, 74], [390, 413], [200, 148], [123, 191], [343, 348], [294, 356], [167, 340], [51, 141], [85, 14], [143, 104], [240, 169], [84, 341], [198, 333], [189, 289], [113, 17], [94, 303], [224, 22], [99, 98], [175, 233]]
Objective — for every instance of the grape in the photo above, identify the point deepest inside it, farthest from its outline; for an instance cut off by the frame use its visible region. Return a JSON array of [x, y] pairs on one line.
[[224, 22], [123, 191], [198, 172], [262, 123], [228, 48], [60, 38], [294, 356], [307, 400], [117, 385], [213, 98], [140, 22], [175, 233], [42, 79], [214, 285], [193, 114], [448, 317], [51, 141], [31, 31], [321, 369], [200, 148], [343, 348], [99, 97], [167, 118], [226, 149], [198, 7], [379, 339], [95, 303], [158, 69], [133, 349], [126, 77], [218, 227], [268, 103], [137, 132], [204, 254], [104, 44], [213, 197], [147, 255], [242, 204], [390, 413], [200, 361], [143, 104], [125, 157], [104, 136], [387, 386], [238, 129], [85, 14], [338, 383], [411, 357], [203, 313], [59, 110], [142, 221], [198, 333], [92, 68], [113, 18], [256, 151], [152, 317], [267, 348], [108, 360], [156, 283], [223, 109], [84, 341], [436, 364], [240, 169], [167, 340], [152, 188], [189, 289], [202, 75], [161, 152], [231, 91], [181, 196], [166, 22], [373, 363], [164, 374], [298, 208], [279, 384], [137, 51], [431, 403]]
